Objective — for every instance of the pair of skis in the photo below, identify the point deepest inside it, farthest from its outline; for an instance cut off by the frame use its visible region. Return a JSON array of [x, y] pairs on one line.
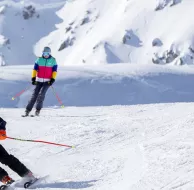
[[30, 115]]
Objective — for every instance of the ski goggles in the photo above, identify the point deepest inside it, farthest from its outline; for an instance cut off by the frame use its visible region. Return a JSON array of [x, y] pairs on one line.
[[45, 53]]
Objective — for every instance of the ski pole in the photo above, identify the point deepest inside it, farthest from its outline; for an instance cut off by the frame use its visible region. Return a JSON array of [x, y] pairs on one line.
[[40, 141], [59, 100], [20, 93]]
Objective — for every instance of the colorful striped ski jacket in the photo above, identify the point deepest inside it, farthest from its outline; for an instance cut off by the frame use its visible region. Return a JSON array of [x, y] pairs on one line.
[[45, 69]]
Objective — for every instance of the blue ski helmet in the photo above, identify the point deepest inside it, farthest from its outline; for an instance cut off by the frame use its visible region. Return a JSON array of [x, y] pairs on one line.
[[47, 50]]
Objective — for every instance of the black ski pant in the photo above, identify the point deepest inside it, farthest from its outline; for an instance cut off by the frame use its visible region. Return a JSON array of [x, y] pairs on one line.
[[12, 162], [38, 96]]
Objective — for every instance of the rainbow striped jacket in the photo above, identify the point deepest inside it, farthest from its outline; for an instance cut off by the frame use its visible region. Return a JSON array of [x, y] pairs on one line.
[[45, 69]]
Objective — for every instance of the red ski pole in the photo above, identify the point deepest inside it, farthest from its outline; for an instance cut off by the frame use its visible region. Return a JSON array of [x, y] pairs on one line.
[[20, 93], [58, 99], [40, 141]]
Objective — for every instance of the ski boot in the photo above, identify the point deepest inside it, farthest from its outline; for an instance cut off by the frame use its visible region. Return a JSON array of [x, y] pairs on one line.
[[7, 181], [26, 113], [37, 112], [28, 179]]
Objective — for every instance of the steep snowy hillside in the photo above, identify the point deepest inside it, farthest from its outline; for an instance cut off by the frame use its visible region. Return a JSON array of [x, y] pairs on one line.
[[98, 31], [124, 31]]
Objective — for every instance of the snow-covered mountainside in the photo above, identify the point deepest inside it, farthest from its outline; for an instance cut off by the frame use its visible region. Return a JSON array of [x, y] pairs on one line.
[[98, 31], [131, 124]]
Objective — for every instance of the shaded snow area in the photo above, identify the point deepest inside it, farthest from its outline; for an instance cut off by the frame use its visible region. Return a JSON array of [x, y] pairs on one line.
[[103, 86], [22, 26]]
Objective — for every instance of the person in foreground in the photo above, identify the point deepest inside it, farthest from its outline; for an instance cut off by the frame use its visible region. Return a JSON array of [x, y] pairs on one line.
[[11, 161], [43, 76]]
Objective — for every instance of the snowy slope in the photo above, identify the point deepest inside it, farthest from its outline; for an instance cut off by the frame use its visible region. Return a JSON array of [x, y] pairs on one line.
[[132, 125], [132, 147], [99, 31], [136, 147]]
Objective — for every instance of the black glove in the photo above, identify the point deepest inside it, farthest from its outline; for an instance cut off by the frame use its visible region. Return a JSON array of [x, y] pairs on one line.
[[33, 80], [51, 81]]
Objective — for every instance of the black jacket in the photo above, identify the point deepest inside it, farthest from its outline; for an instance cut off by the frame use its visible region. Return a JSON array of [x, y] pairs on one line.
[[2, 124]]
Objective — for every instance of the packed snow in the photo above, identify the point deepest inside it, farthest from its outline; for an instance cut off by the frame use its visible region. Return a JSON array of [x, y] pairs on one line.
[[140, 147]]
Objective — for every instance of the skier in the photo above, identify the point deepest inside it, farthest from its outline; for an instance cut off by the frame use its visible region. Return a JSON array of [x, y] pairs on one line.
[[43, 76], [12, 162]]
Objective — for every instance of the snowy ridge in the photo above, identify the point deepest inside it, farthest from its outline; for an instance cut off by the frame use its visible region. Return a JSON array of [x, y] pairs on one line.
[[107, 85]]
